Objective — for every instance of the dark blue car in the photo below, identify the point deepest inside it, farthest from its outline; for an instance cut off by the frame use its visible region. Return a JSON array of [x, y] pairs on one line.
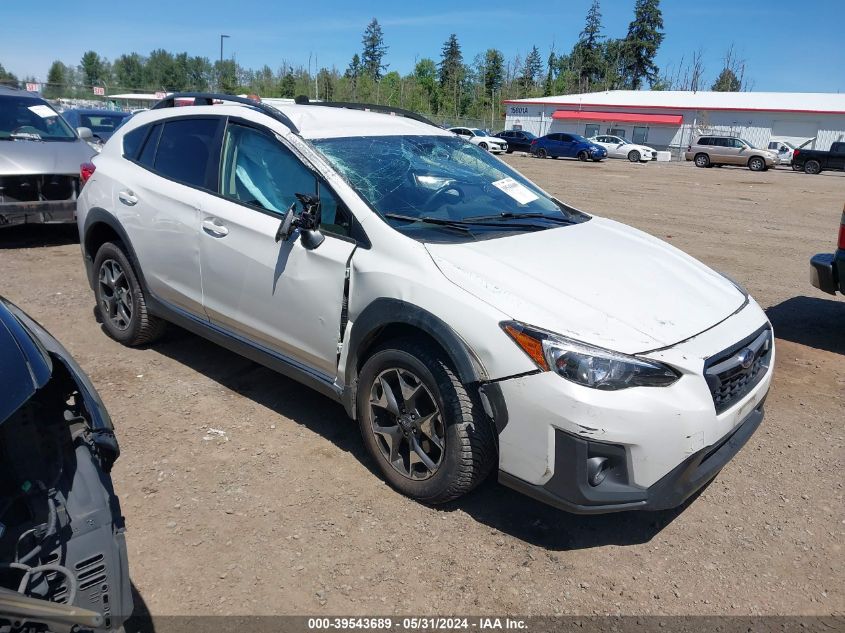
[[102, 123], [568, 146]]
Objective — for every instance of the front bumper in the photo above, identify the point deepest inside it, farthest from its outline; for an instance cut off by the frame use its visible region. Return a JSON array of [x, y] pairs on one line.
[[45, 212], [824, 273], [570, 490], [653, 441]]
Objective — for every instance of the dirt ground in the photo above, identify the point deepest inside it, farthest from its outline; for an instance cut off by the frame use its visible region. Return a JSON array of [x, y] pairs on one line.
[[283, 513]]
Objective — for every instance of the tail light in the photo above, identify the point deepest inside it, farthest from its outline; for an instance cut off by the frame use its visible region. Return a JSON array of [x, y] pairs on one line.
[[796, 152], [689, 148], [86, 170], [841, 245], [533, 141]]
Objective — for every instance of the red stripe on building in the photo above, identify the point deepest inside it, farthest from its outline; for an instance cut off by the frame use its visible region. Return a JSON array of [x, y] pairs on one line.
[[558, 104], [619, 117]]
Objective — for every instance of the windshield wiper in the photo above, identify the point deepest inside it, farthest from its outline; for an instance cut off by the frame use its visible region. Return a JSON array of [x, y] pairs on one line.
[[465, 224], [508, 215]]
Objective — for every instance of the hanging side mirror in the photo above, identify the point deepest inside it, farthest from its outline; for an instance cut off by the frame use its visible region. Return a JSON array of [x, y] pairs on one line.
[[287, 225]]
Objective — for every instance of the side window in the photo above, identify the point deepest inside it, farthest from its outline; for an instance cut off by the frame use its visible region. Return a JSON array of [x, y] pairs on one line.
[[258, 170], [186, 150], [148, 152], [565, 138], [738, 143], [132, 141]]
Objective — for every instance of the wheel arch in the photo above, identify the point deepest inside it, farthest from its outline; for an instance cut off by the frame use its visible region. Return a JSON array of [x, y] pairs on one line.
[[385, 319], [101, 227]]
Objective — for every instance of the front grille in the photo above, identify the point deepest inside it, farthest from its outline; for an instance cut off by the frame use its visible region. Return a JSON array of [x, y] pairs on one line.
[[40, 188], [731, 374]]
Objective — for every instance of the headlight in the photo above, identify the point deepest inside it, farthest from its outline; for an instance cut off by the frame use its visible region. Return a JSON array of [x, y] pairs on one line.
[[585, 364]]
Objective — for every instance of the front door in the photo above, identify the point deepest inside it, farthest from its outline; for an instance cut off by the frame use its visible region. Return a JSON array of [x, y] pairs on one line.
[[281, 295]]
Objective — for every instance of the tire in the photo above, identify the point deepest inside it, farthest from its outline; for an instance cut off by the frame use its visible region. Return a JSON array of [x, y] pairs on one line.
[[597, 160], [483, 146], [121, 304], [812, 167], [702, 160], [583, 156], [467, 446], [542, 153], [634, 156], [755, 163]]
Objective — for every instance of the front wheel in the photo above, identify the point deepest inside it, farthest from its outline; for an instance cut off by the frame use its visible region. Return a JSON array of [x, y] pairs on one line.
[[483, 145], [812, 167], [121, 304], [583, 155], [427, 433], [755, 163], [634, 156]]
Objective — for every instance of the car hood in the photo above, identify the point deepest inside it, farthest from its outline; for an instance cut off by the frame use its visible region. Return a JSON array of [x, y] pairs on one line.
[[493, 139], [599, 282], [20, 158]]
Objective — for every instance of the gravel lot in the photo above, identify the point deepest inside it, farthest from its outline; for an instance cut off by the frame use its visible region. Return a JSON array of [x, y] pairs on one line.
[[283, 514]]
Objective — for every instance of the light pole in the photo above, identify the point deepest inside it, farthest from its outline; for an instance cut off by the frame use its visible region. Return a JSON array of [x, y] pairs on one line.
[[220, 73]]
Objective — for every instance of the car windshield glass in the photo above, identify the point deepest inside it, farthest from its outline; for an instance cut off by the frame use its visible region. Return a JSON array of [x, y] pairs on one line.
[[439, 177], [477, 132], [24, 118]]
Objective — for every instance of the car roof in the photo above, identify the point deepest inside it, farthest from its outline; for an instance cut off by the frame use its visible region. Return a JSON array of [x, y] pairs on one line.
[[7, 91], [313, 121]]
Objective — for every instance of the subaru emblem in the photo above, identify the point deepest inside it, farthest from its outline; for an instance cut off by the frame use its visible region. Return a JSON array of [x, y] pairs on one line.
[[746, 357]]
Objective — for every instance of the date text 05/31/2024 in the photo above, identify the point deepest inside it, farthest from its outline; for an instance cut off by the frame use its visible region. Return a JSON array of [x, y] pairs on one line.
[[414, 624]]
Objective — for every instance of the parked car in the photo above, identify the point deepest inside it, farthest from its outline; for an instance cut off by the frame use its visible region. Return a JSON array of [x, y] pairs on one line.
[[827, 271], [813, 161], [417, 280], [63, 557], [708, 151], [558, 145], [102, 123], [783, 149], [481, 138], [517, 140], [40, 156], [619, 147]]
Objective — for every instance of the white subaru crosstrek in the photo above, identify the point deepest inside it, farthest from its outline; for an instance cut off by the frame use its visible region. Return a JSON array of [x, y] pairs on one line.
[[464, 317]]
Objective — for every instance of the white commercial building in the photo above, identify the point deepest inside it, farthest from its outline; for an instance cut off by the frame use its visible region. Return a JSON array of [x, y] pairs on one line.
[[669, 119]]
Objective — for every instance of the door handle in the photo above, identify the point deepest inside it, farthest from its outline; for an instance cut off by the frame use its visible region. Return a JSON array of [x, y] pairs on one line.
[[213, 228], [128, 198]]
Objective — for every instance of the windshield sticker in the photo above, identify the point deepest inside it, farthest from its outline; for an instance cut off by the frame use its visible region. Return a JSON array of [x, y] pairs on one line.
[[517, 191], [45, 112]]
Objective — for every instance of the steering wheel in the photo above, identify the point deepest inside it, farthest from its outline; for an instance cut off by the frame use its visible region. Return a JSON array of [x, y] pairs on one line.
[[429, 205], [26, 129]]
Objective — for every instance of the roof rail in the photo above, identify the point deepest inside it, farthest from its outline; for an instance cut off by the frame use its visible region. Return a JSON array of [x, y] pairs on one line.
[[368, 107], [208, 98]]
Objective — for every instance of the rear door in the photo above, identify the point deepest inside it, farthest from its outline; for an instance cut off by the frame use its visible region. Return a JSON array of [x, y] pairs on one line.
[[282, 296], [158, 199]]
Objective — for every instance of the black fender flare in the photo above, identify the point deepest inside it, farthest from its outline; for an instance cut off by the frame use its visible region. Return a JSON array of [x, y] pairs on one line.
[[386, 311], [97, 215]]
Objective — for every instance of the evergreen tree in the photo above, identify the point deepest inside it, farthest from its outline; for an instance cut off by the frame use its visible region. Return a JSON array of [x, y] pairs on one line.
[[129, 71], [726, 82], [7, 78], [549, 85], [588, 52], [645, 34], [532, 71], [93, 68], [494, 69], [287, 86], [353, 72], [374, 50], [56, 81], [451, 72]]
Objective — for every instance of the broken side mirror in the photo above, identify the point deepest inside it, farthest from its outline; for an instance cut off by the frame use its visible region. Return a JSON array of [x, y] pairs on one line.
[[308, 222], [287, 225]]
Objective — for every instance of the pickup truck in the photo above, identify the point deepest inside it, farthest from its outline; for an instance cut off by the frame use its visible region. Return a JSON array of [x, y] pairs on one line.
[[827, 271], [813, 161]]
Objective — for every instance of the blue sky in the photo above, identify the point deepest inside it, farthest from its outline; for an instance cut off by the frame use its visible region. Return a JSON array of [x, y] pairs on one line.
[[787, 45]]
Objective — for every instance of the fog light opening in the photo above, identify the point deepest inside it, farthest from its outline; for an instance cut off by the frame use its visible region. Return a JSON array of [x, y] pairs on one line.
[[596, 470]]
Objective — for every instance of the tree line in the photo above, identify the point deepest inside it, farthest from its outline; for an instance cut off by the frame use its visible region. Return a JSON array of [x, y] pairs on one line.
[[450, 86]]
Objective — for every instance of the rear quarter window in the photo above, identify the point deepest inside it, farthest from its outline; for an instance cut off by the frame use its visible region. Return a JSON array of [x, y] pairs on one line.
[[133, 140]]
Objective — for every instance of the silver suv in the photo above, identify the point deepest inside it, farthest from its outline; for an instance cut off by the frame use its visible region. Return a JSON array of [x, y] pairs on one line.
[[728, 150]]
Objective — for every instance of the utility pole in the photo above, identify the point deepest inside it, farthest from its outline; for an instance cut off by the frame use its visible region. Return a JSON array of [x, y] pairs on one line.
[[220, 72]]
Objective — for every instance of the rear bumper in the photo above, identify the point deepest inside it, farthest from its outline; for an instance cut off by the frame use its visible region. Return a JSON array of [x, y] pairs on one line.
[[824, 273], [49, 212], [569, 489]]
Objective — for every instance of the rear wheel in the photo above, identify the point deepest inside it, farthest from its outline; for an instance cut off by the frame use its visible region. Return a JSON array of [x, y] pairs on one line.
[[583, 155], [542, 153], [812, 167], [755, 163], [702, 160], [428, 434], [121, 303], [634, 156]]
